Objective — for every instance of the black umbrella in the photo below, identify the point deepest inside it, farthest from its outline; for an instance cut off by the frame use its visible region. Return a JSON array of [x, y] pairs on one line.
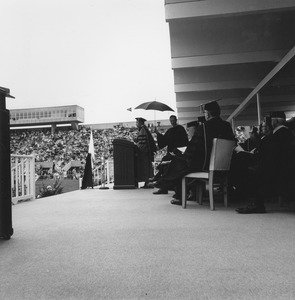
[[154, 105]]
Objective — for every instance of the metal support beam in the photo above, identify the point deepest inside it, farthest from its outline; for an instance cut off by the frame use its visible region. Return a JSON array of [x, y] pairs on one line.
[[233, 124], [258, 109]]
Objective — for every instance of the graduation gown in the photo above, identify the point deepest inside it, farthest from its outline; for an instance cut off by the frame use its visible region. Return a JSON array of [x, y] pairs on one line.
[[197, 154], [145, 154], [174, 137]]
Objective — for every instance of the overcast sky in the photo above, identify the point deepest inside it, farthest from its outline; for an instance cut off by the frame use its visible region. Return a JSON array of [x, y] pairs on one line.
[[104, 55]]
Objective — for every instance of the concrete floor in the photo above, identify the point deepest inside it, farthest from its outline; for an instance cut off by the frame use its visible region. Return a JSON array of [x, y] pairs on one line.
[[130, 244]]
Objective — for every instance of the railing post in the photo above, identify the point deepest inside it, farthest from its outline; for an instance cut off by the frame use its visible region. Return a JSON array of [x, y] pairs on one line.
[[16, 177], [108, 172], [32, 177], [23, 177]]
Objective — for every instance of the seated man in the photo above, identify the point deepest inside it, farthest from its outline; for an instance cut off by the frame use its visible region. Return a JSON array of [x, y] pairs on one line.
[[274, 171], [251, 143], [174, 137], [243, 161], [197, 154]]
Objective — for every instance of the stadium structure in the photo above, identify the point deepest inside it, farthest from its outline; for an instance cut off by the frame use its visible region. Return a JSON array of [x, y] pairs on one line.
[[239, 51], [72, 115], [53, 116]]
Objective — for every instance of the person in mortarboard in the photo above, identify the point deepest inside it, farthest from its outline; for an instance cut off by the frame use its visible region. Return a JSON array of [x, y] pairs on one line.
[[197, 154], [146, 149], [213, 127], [273, 174]]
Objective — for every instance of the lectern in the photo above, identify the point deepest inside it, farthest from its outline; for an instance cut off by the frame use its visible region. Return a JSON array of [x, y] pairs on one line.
[[124, 164], [6, 229]]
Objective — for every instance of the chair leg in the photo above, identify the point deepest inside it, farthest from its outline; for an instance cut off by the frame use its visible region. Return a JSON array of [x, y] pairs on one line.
[[199, 192], [212, 207], [183, 193], [225, 190]]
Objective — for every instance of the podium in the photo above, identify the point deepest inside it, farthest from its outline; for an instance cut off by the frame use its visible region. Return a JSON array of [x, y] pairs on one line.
[[124, 164]]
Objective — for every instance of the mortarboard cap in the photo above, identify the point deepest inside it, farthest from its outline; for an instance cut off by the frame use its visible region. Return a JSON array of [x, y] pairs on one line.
[[212, 106], [140, 119], [278, 114], [193, 123]]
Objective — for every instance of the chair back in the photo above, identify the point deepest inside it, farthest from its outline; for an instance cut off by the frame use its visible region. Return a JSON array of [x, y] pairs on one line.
[[221, 154]]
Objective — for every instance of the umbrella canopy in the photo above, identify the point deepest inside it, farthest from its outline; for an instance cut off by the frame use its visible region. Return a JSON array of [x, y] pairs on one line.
[[154, 105]]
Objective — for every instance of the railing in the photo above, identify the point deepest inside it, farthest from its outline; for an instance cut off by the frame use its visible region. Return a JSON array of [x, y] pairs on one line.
[[104, 174], [22, 177]]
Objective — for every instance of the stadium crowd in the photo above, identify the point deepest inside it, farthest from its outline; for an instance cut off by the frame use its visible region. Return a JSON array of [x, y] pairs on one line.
[[67, 145]]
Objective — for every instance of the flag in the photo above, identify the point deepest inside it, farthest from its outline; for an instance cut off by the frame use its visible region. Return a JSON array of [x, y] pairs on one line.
[[91, 149], [130, 108]]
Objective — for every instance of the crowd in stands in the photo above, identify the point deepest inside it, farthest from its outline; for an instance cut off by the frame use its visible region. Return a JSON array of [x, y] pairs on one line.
[[67, 145]]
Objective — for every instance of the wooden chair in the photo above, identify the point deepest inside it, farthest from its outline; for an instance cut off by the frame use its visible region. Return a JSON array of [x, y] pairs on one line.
[[220, 160]]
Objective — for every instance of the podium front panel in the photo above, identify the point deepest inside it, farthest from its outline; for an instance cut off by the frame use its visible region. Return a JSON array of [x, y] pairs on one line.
[[124, 164]]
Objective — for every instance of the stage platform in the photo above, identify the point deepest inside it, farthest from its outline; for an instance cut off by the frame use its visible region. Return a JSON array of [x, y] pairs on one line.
[[131, 244]]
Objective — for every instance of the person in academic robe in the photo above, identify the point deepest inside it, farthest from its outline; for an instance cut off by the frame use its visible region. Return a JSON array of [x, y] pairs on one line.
[[273, 174], [252, 142], [145, 155], [197, 154], [244, 162], [174, 137]]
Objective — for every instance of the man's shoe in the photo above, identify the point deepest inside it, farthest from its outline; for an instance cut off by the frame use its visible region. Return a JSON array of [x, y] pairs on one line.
[[155, 178], [160, 192], [251, 210], [176, 202]]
